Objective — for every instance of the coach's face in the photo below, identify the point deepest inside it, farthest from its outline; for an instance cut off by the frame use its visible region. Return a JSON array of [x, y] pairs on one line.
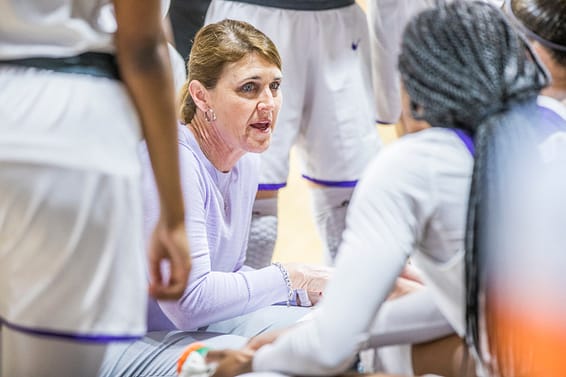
[[247, 99]]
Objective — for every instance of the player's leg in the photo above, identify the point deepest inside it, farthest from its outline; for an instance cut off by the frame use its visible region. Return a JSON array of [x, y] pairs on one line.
[[263, 229], [339, 137]]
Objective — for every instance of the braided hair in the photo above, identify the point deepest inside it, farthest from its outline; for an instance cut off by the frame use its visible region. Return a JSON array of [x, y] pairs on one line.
[[464, 66], [463, 61]]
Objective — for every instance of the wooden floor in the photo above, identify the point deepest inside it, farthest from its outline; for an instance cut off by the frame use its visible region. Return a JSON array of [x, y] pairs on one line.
[[298, 240]]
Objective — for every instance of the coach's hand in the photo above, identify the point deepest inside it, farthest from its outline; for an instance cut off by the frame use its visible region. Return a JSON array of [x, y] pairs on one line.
[[310, 278]]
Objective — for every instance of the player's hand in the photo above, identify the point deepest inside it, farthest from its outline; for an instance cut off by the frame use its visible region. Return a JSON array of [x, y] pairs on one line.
[[231, 362], [312, 279], [169, 243], [410, 272], [403, 287], [408, 281], [261, 340]]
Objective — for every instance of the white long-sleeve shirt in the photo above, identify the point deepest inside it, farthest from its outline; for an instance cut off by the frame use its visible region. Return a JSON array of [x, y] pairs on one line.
[[218, 210], [411, 201]]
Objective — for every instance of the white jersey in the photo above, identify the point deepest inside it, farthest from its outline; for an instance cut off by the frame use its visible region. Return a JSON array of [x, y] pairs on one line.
[[420, 210], [108, 22], [71, 120], [93, 124], [52, 28], [69, 182]]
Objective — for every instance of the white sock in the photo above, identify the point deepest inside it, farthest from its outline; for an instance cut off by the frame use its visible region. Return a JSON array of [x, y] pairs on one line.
[[330, 205], [263, 233]]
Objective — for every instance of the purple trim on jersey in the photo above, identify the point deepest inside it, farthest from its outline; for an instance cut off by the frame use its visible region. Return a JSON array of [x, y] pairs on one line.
[[466, 139], [91, 338], [271, 186], [308, 5], [345, 184], [554, 121]]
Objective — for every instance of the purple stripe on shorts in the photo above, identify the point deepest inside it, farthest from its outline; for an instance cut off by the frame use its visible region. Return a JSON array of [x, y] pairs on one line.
[[91, 338], [271, 186], [332, 183]]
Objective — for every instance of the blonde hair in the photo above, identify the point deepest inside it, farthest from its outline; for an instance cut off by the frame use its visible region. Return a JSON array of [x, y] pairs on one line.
[[216, 45]]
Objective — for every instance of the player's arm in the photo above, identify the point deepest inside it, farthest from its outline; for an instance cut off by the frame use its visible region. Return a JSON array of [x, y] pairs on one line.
[[144, 66]]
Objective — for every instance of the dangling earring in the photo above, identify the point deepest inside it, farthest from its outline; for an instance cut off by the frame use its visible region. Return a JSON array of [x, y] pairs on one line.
[[210, 115]]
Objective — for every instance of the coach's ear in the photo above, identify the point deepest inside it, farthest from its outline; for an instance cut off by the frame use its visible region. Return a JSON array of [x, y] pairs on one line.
[[200, 95]]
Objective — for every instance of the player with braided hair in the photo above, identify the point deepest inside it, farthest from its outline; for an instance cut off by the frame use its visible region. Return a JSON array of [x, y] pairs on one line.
[[468, 77], [516, 217], [504, 88]]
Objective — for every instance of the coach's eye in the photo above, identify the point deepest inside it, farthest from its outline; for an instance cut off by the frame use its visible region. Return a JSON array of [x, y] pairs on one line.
[[248, 87]]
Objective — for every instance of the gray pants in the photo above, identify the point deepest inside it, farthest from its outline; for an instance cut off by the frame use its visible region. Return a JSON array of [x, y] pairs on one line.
[[157, 353], [263, 320]]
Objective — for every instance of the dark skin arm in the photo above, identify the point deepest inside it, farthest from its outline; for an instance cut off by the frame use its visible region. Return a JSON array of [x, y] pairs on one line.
[[231, 362], [145, 69], [446, 357]]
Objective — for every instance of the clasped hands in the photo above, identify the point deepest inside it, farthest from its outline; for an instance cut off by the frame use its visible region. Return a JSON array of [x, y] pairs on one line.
[[308, 279], [313, 279], [235, 362]]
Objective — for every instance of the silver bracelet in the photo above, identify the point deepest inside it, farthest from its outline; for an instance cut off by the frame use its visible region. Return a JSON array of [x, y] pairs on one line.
[[285, 274]]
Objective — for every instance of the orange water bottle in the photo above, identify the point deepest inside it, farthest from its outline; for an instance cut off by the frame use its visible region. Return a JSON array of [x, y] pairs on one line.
[[192, 362]]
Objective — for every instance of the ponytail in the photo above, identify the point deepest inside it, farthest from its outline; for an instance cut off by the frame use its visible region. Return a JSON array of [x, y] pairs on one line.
[[464, 66], [187, 107]]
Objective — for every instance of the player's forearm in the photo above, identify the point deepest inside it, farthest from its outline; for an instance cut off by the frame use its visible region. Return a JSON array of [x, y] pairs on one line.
[[220, 296], [146, 72]]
